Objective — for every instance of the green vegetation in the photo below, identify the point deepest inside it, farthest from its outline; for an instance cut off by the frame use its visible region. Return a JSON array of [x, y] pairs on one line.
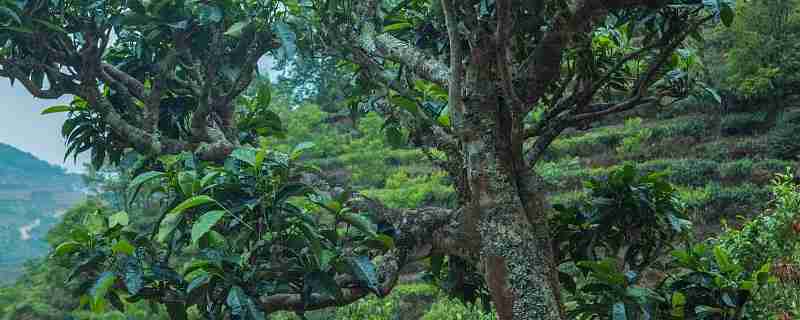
[[418, 159]]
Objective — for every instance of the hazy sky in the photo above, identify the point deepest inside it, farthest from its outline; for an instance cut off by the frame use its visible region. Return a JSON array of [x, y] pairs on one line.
[[22, 126]]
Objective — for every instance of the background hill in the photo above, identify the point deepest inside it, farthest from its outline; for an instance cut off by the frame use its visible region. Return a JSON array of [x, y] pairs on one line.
[[33, 194]]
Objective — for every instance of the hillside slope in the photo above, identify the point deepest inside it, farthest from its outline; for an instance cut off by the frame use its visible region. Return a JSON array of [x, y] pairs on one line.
[[32, 194]]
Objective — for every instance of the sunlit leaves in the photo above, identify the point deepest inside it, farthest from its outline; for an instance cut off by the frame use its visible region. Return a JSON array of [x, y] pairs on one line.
[[67, 248], [118, 219], [57, 109]]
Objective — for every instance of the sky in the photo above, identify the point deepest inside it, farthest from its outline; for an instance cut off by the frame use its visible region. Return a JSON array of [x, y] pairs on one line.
[[22, 125]]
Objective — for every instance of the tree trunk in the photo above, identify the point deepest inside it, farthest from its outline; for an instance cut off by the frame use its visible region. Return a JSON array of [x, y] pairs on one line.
[[508, 211], [515, 249]]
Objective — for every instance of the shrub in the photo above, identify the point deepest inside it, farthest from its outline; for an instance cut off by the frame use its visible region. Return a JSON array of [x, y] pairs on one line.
[[689, 172], [554, 172], [634, 145], [405, 191], [742, 123], [782, 140], [742, 199], [693, 126], [738, 169]]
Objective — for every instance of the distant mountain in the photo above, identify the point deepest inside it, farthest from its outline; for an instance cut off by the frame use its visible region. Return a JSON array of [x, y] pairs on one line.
[[32, 194]]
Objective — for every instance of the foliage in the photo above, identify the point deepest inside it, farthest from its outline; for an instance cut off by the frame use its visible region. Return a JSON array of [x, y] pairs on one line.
[[402, 191], [628, 223], [243, 238], [763, 60], [782, 139], [742, 123], [635, 144]]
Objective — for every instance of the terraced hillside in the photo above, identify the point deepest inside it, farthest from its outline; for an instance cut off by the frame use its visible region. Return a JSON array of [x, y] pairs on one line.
[[719, 161]]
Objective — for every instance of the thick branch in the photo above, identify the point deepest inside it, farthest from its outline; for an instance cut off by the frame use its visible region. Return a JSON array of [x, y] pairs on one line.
[[423, 65], [135, 87]]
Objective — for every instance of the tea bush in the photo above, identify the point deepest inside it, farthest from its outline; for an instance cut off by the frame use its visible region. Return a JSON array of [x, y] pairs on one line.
[[742, 123]]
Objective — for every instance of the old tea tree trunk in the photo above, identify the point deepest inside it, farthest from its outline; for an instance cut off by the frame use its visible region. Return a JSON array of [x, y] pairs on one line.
[[503, 61]]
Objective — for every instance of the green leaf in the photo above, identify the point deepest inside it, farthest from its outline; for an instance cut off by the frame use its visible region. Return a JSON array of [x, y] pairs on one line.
[[137, 183], [124, 247], [198, 281], [167, 226], [118, 219], [205, 223], [100, 289], [10, 13], [395, 137], [66, 248], [264, 94], [57, 109], [444, 117], [726, 14], [724, 262], [404, 103], [209, 178], [96, 223], [237, 29], [246, 155], [397, 27], [763, 274], [364, 272], [360, 222], [187, 180], [678, 303], [192, 202]]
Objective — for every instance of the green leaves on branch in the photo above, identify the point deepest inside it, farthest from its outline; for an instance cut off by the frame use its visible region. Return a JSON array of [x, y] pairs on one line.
[[190, 203], [205, 223]]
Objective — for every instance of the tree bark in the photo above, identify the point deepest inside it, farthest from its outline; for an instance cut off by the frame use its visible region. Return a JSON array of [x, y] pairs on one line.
[[507, 207], [516, 254]]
